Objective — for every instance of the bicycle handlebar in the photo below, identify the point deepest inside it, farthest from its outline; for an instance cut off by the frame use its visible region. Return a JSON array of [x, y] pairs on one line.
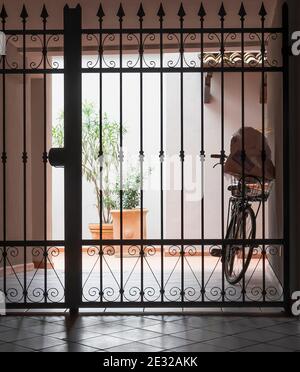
[[218, 156]]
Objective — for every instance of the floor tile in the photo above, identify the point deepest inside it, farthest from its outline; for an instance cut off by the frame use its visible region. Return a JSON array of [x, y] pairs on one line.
[[227, 328], [17, 334], [197, 348], [292, 343], [289, 329], [108, 328], [198, 335], [134, 347], [12, 348], [21, 322], [256, 322], [168, 328], [70, 347], [84, 321], [259, 335], [230, 342], [136, 335], [172, 318], [200, 322], [264, 348], [167, 342], [4, 329], [47, 329], [39, 343], [111, 318], [102, 342], [50, 319], [284, 319], [137, 322], [75, 335]]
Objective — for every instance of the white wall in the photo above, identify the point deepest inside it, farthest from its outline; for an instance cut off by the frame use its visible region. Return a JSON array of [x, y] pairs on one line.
[[192, 141], [212, 134]]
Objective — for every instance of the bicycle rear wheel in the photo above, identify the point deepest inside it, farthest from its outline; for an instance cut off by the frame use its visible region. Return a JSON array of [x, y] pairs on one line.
[[238, 257]]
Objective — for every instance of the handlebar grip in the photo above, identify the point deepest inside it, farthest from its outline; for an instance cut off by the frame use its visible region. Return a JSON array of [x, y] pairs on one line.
[[218, 156]]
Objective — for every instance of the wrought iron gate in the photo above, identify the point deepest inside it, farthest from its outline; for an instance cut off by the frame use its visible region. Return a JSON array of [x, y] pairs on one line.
[[168, 272]]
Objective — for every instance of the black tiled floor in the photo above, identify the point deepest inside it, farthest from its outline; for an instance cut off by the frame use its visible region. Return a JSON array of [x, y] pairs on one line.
[[221, 332]]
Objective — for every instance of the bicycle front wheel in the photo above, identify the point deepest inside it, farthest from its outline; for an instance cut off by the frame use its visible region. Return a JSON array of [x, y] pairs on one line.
[[238, 257]]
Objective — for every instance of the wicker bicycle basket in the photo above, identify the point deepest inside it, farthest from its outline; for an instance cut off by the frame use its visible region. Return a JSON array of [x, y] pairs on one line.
[[253, 189]]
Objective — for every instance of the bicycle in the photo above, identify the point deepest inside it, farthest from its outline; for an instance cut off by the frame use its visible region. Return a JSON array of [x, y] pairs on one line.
[[241, 224]]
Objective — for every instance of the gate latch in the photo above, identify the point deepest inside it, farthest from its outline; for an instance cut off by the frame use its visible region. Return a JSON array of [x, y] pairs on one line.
[[57, 157]]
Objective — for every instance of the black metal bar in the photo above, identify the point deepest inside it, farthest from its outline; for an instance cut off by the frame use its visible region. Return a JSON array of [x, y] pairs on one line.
[[73, 166], [161, 14], [141, 15], [174, 242], [4, 159], [101, 15], [96, 31], [144, 70], [263, 150], [186, 30], [20, 71], [286, 156], [202, 14], [44, 16], [121, 15], [21, 306], [179, 305], [148, 242], [181, 14], [34, 32], [178, 70], [222, 14], [243, 153], [24, 17], [108, 242]]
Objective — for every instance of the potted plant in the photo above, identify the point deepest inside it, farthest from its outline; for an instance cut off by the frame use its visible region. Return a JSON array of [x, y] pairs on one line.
[[91, 162], [131, 212]]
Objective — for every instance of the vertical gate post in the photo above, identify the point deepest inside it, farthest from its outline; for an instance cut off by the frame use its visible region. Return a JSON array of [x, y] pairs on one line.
[[73, 156]]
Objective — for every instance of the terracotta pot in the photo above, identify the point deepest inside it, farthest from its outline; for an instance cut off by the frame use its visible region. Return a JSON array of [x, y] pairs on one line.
[[131, 229], [38, 259], [107, 231]]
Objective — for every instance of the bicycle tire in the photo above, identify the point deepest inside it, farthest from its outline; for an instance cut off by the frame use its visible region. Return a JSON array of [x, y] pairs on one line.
[[232, 234]]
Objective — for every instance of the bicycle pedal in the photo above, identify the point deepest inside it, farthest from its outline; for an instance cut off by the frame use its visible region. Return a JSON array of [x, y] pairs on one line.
[[216, 252]]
